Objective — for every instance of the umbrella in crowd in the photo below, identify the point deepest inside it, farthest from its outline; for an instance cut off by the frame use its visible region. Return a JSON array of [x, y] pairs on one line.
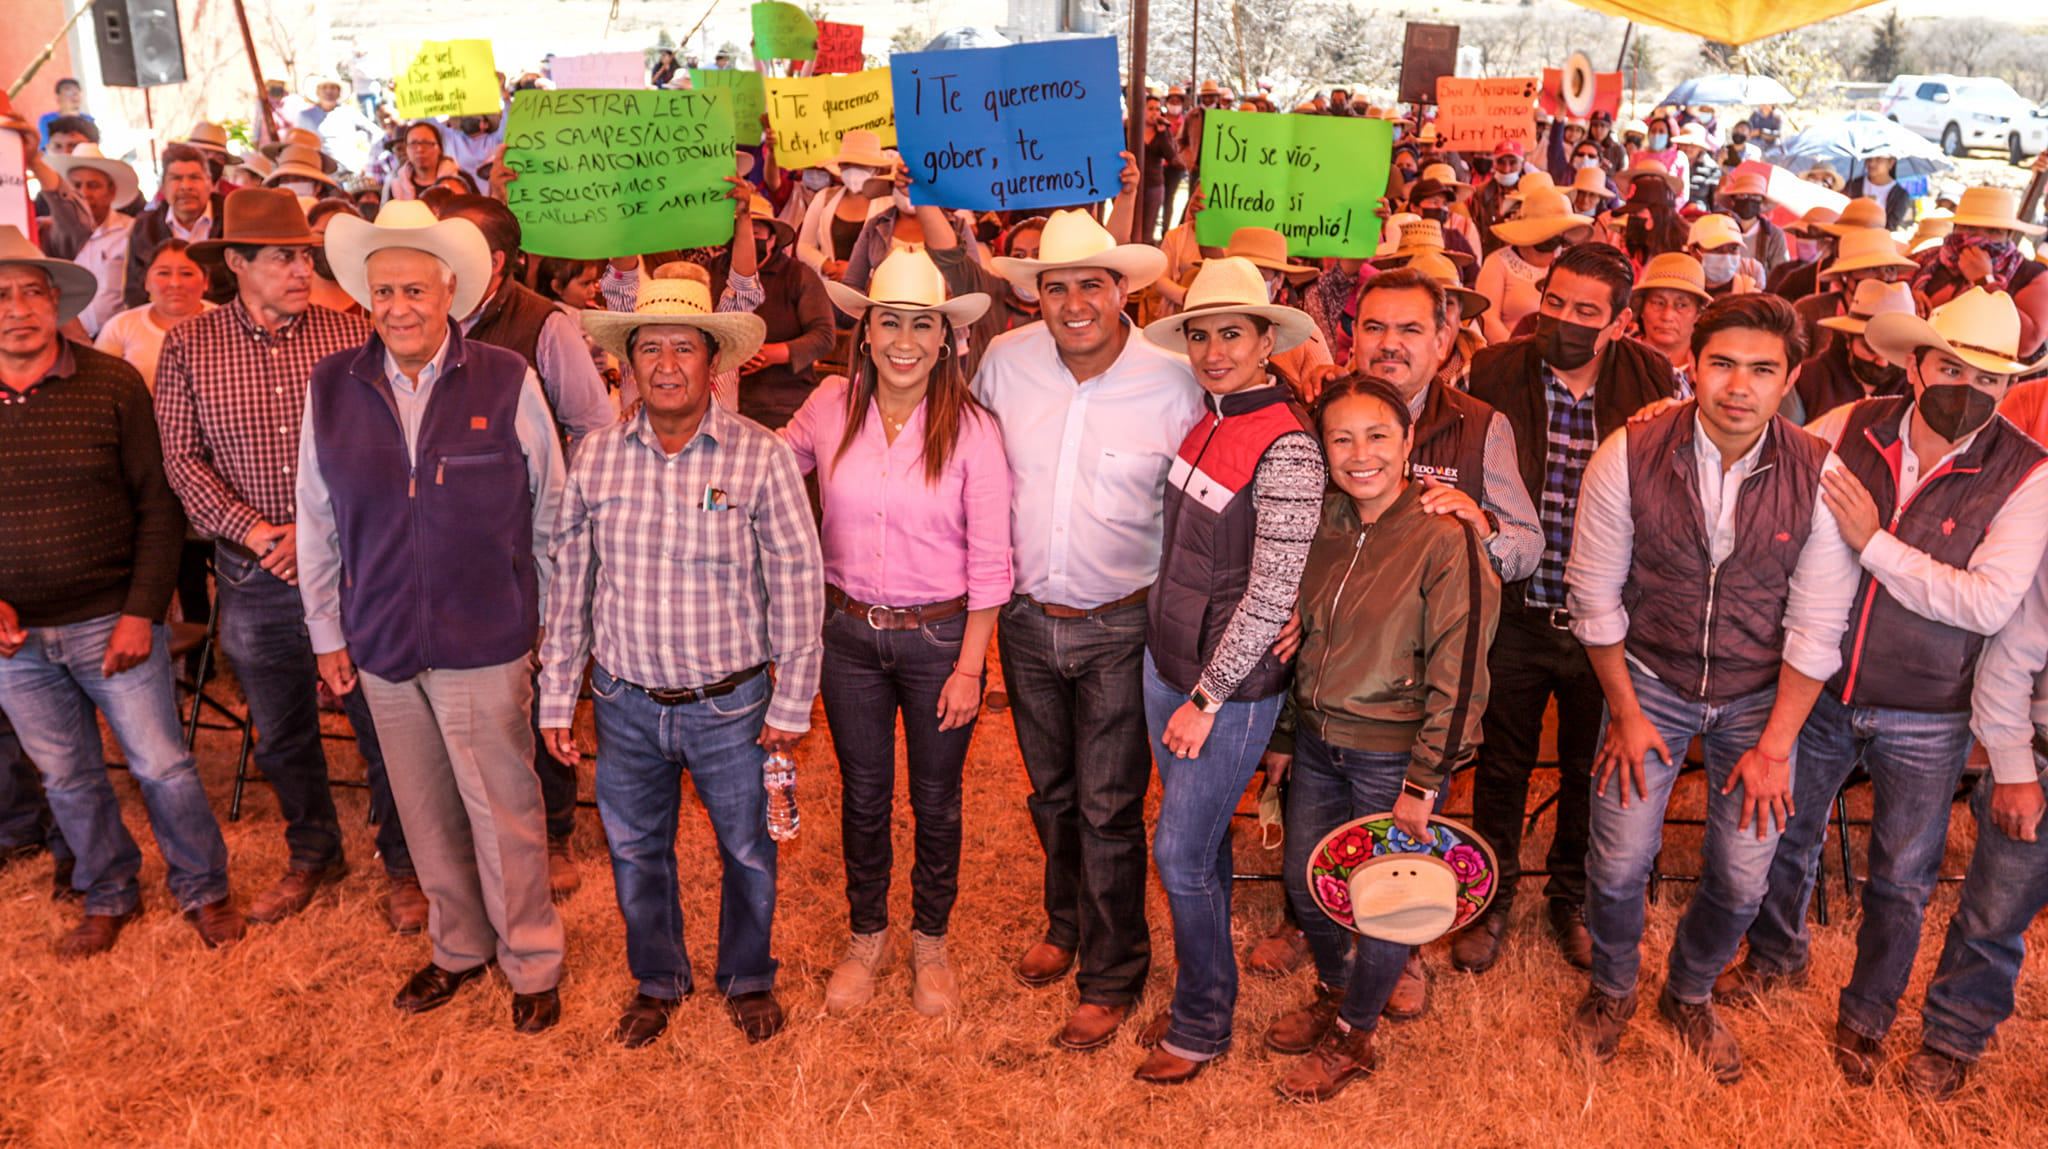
[[1846, 141], [1727, 88]]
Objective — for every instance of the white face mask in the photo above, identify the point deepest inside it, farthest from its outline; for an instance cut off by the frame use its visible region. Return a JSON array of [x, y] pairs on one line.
[[1720, 268], [1584, 162], [855, 177], [817, 179], [1807, 250]]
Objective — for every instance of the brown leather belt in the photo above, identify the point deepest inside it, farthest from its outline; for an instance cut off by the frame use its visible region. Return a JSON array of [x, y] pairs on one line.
[[719, 689], [894, 617], [1055, 610]]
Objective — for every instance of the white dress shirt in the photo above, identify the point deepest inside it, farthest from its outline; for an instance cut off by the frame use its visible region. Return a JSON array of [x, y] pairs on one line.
[[2010, 698], [105, 254], [1088, 461], [1603, 547], [1981, 596]]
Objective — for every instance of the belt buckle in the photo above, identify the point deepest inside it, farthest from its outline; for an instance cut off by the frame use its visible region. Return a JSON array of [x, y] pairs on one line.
[[1553, 615], [885, 612], [672, 697]]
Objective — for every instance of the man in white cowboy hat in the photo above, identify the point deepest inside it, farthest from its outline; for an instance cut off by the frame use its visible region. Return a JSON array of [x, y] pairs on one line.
[[689, 566], [91, 561], [1742, 196], [1947, 504], [430, 473], [186, 208], [1861, 253], [1849, 369], [1092, 416], [1667, 300], [102, 184], [344, 132], [1982, 250]]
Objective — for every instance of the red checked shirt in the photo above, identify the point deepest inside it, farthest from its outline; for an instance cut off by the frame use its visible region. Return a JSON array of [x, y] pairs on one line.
[[230, 397]]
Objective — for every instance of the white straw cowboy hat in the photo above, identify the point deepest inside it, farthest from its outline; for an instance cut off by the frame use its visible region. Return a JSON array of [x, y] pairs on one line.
[[1444, 174], [1979, 327], [75, 285], [1419, 236], [1675, 271], [909, 281], [1713, 230], [1873, 298], [1074, 239], [678, 295], [862, 149], [1862, 248], [1231, 286], [1992, 207], [126, 186], [1860, 214], [296, 163], [1471, 304], [1545, 215], [408, 223]]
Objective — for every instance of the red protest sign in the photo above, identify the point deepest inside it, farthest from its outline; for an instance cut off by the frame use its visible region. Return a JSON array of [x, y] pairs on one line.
[[839, 49], [1474, 115]]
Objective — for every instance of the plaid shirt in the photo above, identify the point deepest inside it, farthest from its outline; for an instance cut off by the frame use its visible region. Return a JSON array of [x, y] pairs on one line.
[[230, 396], [669, 594], [1571, 441]]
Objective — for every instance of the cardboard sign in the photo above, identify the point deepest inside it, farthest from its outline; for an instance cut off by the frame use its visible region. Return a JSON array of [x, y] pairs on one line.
[[1314, 179], [749, 99], [1474, 115], [783, 32], [599, 70], [445, 78], [1029, 125], [839, 48], [1428, 51], [810, 113], [605, 173], [15, 205]]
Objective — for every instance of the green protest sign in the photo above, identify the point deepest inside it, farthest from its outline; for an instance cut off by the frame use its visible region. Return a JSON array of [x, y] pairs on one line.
[[605, 173], [1315, 179], [783, 32], [749, 99]]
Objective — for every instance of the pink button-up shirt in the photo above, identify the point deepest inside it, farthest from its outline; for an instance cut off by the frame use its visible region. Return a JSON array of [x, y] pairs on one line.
[[890, 537]]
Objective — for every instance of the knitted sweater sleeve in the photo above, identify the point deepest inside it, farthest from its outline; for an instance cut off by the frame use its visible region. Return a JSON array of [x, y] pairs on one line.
[[1287, 494]]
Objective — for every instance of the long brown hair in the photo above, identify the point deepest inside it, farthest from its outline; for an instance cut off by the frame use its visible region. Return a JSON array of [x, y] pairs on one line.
[[948, 403]]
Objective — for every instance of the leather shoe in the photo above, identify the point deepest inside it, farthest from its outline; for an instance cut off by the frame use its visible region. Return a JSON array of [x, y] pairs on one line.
[[219, 923], [432, 988], [405, 906], [1280, 952], [1163, 1068], [94, 934], [1934, 1075], [1568, 923], [1303, 1029], [564, 879], [1155, 1030], [536, 1012], [1410, 998], [60, 882], [1857, 1056], [1343, 1056], [1091, 1027], [1044, 964], [293, 892], [645, 1018], [1744, 983], [1475, 950], [758, 1014]]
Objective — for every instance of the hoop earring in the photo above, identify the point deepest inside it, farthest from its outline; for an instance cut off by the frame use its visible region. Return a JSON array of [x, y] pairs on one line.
[[865, 350], [944, 350]]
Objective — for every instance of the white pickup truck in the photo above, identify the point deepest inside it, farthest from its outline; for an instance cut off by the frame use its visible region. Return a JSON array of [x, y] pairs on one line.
[[1965, 112]]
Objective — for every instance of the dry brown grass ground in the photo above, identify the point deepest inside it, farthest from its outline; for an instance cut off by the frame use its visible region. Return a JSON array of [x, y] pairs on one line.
[[289, 1038]]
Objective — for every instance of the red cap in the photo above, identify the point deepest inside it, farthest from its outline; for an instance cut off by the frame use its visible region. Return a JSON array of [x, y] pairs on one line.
[[1508, 148]]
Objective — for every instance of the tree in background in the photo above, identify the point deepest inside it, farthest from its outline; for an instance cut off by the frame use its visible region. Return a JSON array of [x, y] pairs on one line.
[[1887, 55]]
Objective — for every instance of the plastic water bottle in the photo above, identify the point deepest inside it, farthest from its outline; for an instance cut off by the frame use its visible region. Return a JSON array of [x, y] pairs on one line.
[[779, 775]]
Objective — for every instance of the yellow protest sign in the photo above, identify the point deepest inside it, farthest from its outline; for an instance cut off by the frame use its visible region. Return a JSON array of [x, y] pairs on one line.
[[809, 114], [445, 78]]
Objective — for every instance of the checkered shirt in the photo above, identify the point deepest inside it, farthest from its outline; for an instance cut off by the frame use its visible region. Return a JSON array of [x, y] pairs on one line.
[[1572, 439], [670, 595], [230, 396]]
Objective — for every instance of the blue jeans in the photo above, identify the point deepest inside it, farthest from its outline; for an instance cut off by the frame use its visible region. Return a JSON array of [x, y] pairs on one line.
[[49, 690], [1914, 761], [643, 748], [1734, 864], [263, 633], [2005, 890], [1328, 786], [1191, 846], [25, 818]]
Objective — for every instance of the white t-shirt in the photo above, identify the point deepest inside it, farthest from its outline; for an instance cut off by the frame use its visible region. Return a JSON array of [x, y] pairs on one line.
[[134, 335]]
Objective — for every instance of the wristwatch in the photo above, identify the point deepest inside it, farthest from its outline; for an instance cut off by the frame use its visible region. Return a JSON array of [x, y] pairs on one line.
[[1414, 791], [1203, 702]]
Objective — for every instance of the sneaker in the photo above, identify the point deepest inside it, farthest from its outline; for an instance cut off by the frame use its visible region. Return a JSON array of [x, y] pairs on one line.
[[1598, 1023], [935, 988], [1343, 1056], [853, 983], [1700, 1028], [564, 879]]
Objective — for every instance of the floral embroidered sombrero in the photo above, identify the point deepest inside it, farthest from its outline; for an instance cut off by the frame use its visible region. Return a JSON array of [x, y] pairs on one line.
[[1371, 878]]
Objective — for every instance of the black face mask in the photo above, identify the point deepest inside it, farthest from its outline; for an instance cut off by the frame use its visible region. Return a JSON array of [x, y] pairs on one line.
[[1436, 213], [763, 250], [1877, 378], [1567, 346], [1954, 410], [1746, 208]]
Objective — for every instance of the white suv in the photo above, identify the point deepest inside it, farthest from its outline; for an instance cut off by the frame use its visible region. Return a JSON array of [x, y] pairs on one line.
[[1964, 112]]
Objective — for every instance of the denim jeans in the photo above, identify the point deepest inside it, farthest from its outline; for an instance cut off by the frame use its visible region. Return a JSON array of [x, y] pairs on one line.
[[643, 748], [49, 690], [263, 634], [1328, 786], [1734, 864], [1191, 846], [869, 676], [1077, 694], [2005, 890], [1914, 761], [25, 818]]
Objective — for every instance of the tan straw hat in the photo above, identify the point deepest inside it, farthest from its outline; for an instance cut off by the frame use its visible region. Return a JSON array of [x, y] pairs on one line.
[[1675, 271], [1932, 228], [1420, 236], [408, 223], [1714, 230], [678, 295], [1592, 179], [1873, 298], [1992, 207], [1231, 286], [1268, 249], [1471, 304], [1444, 174], [297, 163], [909, 281], [75, 285], [1531, 183], [1861, 214], [1074, 239], [209, 136], [862, 149], [1980, 328], [1544, 216], [302, 138], [1813, 223], [1866, 247]]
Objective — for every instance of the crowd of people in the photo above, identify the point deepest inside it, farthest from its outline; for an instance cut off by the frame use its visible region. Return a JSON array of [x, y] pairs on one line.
[[1591, 432]]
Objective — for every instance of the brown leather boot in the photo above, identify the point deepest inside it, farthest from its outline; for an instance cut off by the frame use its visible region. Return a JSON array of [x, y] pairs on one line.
[[219, 923], [1743, 983], [1410, 998], [1934, 1075], [1598, 1023], [564, 879], [1343, 1056], [405, 906], [1568, 924], [1476, 949], [1278, 953], [1044, 964], [1857, 1056], [293, 893], [1165, 1068], [1299, 1032], [94, 934], [1091, 1027], [1700, 1028]]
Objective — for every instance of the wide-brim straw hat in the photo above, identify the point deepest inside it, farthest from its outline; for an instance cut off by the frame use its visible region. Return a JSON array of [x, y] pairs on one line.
[[408, 223], [1992, 207], [302, 138], [1267, 248], [1641, 168], [1420, 237], [1873, 298], [1231, 286], [1714, 230], [297, 163], [1531, 183], [1471, 304], [1979, 327], [1865, 248], [909, 281], [862, 149], [1543, 216], [1591, 180], [261, 217], [1814, 223], [1930, 231], [75, 285], [1860, 214], [679, 295], [1746, 183], [1443, 174], [209, 136], [761, 211], [1694, 136], [1074, 239], [1675, 271], [1372, 878], [126, 186]]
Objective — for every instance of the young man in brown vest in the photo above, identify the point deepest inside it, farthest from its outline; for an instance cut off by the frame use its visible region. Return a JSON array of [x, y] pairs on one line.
[[1946, 503], [1711, 586]]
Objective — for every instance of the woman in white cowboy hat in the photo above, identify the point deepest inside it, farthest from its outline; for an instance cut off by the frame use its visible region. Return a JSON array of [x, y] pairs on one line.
[[1241, 505], [833, 222], [916, 495], [1511, 275], [1287, 283], [1982, 249]]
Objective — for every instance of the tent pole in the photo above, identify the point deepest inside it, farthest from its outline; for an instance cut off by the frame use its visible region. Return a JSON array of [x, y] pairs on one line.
[[1141, 31], [1195, 52], [1621, 65]]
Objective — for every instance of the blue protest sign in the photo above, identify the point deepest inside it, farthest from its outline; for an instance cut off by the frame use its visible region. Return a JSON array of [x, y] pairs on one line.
[[1029, 125]]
